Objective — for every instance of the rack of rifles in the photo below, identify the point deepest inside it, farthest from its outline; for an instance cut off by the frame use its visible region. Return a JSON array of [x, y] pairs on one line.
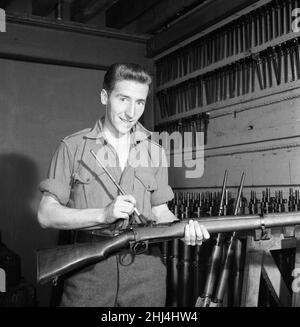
[[189, 268], [256, 51]]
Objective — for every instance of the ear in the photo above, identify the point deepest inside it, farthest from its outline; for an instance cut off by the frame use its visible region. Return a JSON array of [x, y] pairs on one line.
[[104, 97]]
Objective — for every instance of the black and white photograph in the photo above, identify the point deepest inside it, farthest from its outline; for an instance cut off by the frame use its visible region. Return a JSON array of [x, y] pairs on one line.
[[149, 156]]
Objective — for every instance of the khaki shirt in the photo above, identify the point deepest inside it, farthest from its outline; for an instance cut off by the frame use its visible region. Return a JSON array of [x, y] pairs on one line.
[[76, 180]]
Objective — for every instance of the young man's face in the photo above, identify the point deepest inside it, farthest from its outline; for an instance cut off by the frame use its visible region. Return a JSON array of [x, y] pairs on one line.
[[125, 104]]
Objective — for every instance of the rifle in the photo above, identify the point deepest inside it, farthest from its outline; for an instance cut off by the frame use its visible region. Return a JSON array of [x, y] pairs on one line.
[[173, 279], [52, 263], [184, 281], [224, 275], [205, 299]]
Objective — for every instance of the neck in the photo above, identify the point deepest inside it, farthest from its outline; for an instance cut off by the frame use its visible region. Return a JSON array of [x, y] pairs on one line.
[[112, 134]]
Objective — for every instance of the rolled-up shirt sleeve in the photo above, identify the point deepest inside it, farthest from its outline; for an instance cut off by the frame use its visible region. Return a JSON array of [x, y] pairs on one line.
[[164, 193], [58, 183]]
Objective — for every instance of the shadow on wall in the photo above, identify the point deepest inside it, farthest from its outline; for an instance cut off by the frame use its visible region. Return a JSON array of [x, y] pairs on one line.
[[19, 198]]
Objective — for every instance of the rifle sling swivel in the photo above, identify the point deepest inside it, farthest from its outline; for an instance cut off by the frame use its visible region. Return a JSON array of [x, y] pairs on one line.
[[263, 226]]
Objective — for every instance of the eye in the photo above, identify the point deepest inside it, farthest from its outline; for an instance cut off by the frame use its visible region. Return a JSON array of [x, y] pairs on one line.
[[141, 103], [123, 99]]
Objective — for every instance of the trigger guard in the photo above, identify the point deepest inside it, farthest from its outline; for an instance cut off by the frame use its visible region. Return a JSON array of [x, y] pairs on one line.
[[139, 247]]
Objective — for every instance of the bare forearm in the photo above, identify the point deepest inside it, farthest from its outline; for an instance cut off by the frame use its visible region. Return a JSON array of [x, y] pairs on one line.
[[163, 214], [52, 214]]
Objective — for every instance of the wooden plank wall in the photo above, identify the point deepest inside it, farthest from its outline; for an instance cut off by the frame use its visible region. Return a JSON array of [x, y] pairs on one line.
[[261, 137], [258, 133]]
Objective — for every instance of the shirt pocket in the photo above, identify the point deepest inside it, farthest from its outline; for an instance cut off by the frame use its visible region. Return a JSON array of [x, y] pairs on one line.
[[146, 177], [144, 185], [82, 177], [85, 189]]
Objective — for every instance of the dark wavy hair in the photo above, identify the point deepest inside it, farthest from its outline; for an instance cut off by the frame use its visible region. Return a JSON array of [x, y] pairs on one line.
[[125, 71]]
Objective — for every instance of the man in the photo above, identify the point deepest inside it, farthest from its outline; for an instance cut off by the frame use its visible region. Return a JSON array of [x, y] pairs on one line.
[[79, 195]]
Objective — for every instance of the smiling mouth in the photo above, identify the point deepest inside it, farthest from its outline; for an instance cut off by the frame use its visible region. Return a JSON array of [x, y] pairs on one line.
[[126, 121]]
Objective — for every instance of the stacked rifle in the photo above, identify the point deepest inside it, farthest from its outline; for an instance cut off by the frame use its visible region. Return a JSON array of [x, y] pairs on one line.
[[193, 124], [273, 66], [201, 274], [276, 203], [197, 204], [181, 98], [203, 204], [259, 26]]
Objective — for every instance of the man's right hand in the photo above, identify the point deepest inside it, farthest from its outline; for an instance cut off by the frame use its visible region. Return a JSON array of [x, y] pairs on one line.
[[121, 207]]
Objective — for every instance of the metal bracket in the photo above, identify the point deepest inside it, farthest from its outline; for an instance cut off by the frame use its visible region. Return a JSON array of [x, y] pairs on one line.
[[297, 232], [263, 233], [55, 281]]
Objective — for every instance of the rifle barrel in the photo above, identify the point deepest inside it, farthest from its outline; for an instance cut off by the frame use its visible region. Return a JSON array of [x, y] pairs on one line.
[[226, 224]]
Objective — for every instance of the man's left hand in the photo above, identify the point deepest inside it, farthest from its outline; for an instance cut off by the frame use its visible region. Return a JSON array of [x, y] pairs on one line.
[[195, 234]]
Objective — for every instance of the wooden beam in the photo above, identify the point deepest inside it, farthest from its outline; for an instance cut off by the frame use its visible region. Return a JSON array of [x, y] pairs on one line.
[[124, 12], [211, 13], [4, 3], [296, 295], [251, 280], [43, 7], [83, 10], [51, 42], [275, 282], [163, 13]]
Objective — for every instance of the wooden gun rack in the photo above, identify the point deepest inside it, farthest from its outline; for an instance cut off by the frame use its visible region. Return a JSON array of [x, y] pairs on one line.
[[259, 262]]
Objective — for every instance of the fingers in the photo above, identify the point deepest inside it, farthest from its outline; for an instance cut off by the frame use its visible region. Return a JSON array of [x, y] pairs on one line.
[[123, 211], [128, 198], [205, 232], [195, 233], [112, 214], [122, 207], [126, 207], [187, 235], [190, 233], [123, 215], [199, 233], [125, 203]]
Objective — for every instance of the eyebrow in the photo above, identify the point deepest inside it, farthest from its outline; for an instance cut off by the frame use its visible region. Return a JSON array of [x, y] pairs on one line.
[[128, 97]]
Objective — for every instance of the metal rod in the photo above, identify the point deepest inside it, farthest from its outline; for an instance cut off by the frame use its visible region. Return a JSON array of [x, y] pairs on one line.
[[117, 185]]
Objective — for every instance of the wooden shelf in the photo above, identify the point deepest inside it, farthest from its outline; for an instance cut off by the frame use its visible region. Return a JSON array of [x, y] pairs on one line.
[[286, 143], [230, 60], [230, 104], [219, 187], [209, 29]]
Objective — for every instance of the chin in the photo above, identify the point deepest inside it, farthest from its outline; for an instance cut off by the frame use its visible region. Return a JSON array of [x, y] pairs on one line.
[[123, 130]]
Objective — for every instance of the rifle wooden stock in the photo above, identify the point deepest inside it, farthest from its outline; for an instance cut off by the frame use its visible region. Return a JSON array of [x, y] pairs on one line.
[[173, 280], [215, 262], [214, 265], [52, 263], [237, 273], [224, 274], [184, 281]]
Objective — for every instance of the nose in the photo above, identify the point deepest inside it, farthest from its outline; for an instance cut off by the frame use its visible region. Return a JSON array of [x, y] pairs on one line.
[[130, 111]]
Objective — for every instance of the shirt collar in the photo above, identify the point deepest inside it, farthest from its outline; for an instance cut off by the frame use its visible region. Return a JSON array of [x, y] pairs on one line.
[[139, 132]]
